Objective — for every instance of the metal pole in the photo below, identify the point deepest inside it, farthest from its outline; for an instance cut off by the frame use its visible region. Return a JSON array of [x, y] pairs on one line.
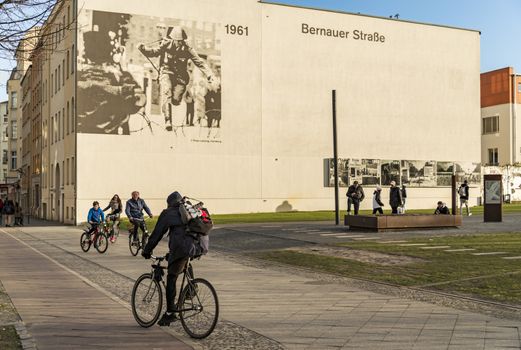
[[335, 160], [453, 195]]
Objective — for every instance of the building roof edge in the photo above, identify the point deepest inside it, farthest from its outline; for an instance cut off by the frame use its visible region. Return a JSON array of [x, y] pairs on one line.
[[370, 16]]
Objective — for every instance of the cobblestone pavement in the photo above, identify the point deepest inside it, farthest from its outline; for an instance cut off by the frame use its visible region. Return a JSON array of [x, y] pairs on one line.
[[263, 307]]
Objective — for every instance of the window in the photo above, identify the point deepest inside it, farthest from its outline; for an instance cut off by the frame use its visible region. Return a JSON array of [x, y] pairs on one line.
[[68, 58], [52, 79], [68, 170], [519, 87], [68, 16], [13, 130], [55, 81], [73, 111], [490, 125], [68, 116], [73, 171], [63, 123], [59, 76], [493, 157], [14, 100], [5, 159], [59, 126], [63, 72], [13, 160], [73, 55]]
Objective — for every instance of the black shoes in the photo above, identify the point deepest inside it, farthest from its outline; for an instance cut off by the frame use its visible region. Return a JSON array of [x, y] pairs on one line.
[[166, 319]]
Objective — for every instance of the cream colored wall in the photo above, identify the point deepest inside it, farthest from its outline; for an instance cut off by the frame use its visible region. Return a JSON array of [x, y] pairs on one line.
[[407, 98], [502, 140], [223, 174]]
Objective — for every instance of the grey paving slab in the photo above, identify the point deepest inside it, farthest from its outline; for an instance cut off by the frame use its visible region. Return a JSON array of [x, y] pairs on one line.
[[62, 312], [303, 313]]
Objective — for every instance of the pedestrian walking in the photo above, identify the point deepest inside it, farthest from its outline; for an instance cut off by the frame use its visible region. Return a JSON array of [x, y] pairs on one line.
[[355, 195], [395, 197], [377, 201], [463, 192]]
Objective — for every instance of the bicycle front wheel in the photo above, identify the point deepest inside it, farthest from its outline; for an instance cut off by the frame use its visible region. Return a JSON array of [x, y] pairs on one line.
[[85, 242], [146, 300], [133, 245], [199, 308], [102, 243]]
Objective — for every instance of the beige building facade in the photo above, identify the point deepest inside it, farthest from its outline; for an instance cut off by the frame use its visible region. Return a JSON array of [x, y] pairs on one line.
[[240, 116], [500, 113]]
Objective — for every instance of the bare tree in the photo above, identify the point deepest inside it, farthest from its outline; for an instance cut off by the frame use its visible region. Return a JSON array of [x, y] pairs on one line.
[[20, 20]]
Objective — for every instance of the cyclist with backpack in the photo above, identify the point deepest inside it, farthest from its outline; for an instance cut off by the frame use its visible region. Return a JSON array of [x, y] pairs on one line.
[[134, 210], [181, 246]]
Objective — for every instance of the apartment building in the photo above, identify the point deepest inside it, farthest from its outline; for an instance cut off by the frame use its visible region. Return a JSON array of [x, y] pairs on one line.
[[4, 140], [500, 110]]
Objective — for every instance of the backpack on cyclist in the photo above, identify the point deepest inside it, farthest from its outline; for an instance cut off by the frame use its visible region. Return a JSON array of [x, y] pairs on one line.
[[196, 217]]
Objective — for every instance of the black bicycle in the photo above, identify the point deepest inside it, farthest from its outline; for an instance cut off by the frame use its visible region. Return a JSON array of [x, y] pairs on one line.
[[136, 245], [197, 304], [98, 238]]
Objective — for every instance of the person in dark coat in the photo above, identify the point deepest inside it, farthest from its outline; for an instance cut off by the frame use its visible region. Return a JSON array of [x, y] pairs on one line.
[[355, 195], [395, 197], [181, 246], [442, 209]]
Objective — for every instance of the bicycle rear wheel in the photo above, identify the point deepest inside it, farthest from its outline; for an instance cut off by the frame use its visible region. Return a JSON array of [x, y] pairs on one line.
[[147, 300], [85, 242], [133, 245], [199, 308], [102, 243]]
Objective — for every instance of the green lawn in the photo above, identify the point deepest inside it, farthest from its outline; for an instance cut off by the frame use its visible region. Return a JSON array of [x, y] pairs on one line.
[[296, 216], [9, 338], [488, 277]]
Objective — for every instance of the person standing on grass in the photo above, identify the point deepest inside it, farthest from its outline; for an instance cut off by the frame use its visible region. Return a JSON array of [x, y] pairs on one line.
[[355, 195], [404, 198], [463, 192], [395, 197], [377, 201]]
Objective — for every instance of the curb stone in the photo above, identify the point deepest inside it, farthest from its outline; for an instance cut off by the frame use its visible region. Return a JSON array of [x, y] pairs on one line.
[[26, 339]]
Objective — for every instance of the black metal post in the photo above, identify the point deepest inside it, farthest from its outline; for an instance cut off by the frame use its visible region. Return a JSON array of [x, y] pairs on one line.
[[335, 161], [453, 196]]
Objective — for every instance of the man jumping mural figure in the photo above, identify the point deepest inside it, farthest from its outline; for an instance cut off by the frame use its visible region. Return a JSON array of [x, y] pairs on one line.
[[174, 54]]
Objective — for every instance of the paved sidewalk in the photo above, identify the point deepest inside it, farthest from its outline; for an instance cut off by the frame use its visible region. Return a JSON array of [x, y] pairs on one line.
[[63, 312], [296, 310]]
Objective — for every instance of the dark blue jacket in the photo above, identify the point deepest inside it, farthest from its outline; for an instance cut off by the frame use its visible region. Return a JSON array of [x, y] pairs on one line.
[[96, 215], [134, 208]]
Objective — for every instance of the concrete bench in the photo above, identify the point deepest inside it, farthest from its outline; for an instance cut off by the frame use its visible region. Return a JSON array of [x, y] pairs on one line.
[[401, 222]]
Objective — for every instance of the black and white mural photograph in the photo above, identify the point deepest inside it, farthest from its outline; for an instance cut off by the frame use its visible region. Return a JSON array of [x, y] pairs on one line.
[[468, 171], [419, 173], [412, 173], [444, 172], [149, 75]]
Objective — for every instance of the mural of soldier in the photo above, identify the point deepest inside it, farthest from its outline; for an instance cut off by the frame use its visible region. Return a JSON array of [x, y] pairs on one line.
[[174, 56], [113, 94]]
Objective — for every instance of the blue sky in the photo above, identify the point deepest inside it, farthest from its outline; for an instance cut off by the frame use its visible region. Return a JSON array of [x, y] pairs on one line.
[[498, 21]]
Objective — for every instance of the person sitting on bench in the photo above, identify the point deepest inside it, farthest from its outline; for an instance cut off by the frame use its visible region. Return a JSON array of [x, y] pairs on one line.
[[442, 209]]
